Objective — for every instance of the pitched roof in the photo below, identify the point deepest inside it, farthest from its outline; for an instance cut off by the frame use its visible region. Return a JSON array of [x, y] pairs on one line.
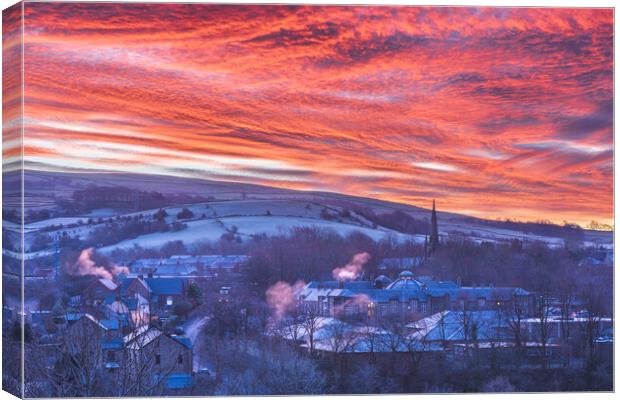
[[140, 338], [451, 325], [165, 286], [127, 281], [108, 284], [184, 340], [405, 289]]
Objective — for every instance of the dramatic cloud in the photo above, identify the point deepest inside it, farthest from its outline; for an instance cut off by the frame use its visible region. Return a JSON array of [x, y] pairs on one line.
[[401, 103]]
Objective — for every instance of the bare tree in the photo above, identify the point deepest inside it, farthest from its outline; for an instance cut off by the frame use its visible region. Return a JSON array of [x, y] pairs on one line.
[[543, 331], [77, 369], [417, 342], [469, 326], [341, 337], [514, 314], [594, 307], [370, 336], [311, 320], [394, 335], [148, 361]]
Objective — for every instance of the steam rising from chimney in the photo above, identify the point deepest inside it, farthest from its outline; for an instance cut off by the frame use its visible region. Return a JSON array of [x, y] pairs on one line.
[[86, 266], [281, 297], [359, 301], [353, 269]]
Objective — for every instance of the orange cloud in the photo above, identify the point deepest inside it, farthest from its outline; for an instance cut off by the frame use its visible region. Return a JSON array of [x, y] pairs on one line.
[[503, 112]]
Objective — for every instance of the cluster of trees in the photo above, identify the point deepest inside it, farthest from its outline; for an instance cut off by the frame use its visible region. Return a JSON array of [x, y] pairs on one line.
[[396, 220], [111, 232]]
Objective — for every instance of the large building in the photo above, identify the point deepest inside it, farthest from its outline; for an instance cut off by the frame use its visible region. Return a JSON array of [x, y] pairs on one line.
[[405, 296]]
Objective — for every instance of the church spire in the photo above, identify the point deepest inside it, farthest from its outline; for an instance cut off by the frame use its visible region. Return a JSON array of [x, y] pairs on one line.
[[434, 239]]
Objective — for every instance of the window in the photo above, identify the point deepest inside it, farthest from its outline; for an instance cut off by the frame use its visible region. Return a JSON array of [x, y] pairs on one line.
[[169, 301], [180, 358], [157, 359]]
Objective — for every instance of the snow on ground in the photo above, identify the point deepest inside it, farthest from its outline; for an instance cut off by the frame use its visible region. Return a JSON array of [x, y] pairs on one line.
[[54, 221], [260, 207], [286, 211], [273, 224], [196, 231], [483, 233], [212, 230], [102, 213], [27, 255]]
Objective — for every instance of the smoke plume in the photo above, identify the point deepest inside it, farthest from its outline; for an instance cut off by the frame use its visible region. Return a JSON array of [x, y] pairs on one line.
[[86, 266], [353, 269], [355, 305], [281, 297]]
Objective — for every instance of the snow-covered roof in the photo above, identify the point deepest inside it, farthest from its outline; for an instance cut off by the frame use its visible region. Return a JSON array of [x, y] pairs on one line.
[[450, 326], [108, 284], [139, 340], [135, 333]]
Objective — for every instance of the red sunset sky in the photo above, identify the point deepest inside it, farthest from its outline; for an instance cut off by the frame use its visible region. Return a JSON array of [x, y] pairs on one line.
[[495, 112]]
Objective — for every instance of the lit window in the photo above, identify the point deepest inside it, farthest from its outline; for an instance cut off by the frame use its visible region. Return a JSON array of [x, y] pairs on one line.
[[169, 300]]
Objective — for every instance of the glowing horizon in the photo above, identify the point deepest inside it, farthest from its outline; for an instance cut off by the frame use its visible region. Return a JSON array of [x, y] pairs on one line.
[[494, 112]]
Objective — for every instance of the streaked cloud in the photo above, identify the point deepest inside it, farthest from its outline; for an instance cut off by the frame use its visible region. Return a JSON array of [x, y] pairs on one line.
[[504, 112], [436, 166]]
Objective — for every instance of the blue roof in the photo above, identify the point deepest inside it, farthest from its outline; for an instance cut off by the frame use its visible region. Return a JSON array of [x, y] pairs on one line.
[[113, 344], [74, 316], [184, 340], [109, 323], [407, 288], [351, 285], [165, 286], [179, 380]]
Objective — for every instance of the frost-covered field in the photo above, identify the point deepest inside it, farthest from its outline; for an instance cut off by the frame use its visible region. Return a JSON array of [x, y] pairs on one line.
[[246, 226], [196, 231]]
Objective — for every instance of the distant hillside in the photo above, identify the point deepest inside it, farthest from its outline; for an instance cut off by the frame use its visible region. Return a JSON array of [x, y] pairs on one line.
[[254, 208]]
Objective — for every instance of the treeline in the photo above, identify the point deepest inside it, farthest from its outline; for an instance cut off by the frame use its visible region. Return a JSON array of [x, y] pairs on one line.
[[567, 231], [122, 198], [396, 220], [111, 232]]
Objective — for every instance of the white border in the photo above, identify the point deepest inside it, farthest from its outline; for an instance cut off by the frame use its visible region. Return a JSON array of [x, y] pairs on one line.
[[523, 3]]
